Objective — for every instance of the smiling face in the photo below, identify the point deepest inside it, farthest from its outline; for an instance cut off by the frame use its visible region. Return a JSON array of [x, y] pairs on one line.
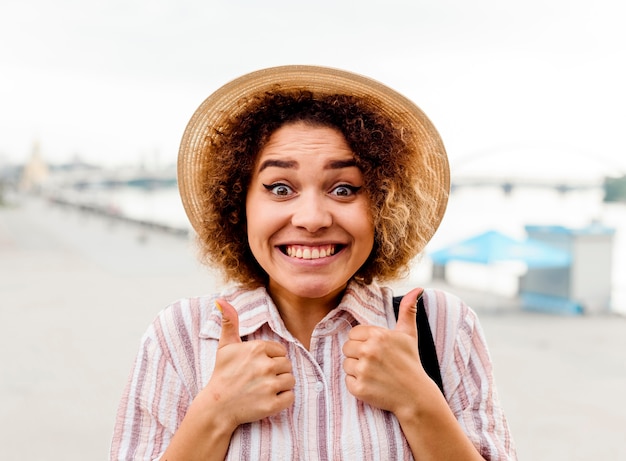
[[308, 219]]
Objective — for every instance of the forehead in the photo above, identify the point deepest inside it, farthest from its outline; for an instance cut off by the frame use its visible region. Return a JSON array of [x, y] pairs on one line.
[[298, 139]]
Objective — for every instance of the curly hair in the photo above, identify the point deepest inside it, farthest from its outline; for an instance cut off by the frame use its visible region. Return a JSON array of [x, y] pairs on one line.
[[393, 176]]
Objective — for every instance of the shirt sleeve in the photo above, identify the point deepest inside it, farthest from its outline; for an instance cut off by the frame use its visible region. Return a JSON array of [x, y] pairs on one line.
[[469, 382], [153, 403]]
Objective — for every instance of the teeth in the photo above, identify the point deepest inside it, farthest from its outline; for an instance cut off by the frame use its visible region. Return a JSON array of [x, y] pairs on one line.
[[318, 252]]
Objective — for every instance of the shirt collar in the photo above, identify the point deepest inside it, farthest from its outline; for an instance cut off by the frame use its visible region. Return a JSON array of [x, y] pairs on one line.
[[367, 304], [254, 307]]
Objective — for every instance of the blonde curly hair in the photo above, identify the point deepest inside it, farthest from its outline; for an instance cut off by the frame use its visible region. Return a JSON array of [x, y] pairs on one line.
[[394, 181]]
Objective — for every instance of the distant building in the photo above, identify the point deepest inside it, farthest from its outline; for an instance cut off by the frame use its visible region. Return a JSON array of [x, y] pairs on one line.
[[35, 172]]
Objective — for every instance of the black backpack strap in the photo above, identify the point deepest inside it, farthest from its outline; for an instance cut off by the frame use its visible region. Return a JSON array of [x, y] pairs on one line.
[[425, 342]]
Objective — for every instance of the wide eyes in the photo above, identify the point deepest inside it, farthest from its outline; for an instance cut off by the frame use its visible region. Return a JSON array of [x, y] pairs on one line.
[[340, 191], [279, 189], [345, 190]]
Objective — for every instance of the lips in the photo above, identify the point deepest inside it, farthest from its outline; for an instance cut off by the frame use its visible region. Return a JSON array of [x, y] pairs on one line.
[[309, 252]]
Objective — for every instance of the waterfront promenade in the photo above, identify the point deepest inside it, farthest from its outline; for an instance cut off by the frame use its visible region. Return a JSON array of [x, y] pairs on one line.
[[77, 292]]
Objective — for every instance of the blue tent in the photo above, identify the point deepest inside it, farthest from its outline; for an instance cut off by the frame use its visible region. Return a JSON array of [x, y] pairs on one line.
[[493, 246]]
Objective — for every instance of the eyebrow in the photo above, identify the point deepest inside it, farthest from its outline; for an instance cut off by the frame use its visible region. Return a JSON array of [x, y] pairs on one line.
[[338, 164], [292, 164], [278, 164]]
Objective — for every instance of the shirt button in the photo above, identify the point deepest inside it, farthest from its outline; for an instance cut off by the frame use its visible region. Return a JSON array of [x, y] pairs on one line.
[[319, 386]]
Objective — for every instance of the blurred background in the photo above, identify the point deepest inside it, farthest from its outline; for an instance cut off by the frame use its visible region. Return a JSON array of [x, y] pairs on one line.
[[528, 97]]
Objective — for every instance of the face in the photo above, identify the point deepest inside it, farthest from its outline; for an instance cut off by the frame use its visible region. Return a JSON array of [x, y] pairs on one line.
[[308, 219]]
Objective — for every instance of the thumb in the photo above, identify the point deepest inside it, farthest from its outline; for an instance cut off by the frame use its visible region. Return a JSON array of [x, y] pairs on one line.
[[407, 315], [230, 324]]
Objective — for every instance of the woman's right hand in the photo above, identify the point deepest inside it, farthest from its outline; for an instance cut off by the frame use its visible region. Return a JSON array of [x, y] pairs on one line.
[[251, 380]]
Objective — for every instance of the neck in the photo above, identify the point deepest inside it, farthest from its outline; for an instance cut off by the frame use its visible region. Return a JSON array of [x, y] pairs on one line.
[[301, 315]]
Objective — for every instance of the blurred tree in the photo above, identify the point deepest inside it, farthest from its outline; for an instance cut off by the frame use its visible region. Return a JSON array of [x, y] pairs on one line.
[[615, 189]]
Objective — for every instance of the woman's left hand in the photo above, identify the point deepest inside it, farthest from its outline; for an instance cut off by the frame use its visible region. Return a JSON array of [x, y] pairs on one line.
[[383, 367]]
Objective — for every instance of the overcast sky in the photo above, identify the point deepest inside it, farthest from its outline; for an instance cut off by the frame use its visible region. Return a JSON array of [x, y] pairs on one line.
[[115, 81]]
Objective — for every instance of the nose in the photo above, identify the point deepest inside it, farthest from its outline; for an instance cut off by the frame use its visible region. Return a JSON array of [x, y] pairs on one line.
[[312, 213]]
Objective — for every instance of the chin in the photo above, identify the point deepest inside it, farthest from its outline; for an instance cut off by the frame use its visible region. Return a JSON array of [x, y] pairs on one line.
[[311, 289], [315, 293]]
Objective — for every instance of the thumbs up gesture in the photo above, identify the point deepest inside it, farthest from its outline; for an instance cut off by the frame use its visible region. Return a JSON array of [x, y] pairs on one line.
[[383, 366], [251, 379], [230, 324]]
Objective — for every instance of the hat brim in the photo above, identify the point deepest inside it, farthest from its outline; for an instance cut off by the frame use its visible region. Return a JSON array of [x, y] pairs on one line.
[[217, 111]]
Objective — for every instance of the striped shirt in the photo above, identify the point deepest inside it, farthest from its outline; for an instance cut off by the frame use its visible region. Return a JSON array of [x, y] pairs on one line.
[[326, 422]]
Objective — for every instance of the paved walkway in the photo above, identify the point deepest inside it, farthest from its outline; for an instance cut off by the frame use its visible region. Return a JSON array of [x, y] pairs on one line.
[[77, 292]]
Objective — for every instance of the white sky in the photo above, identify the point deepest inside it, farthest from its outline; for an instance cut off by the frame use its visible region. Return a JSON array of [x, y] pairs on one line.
[[115, 81]]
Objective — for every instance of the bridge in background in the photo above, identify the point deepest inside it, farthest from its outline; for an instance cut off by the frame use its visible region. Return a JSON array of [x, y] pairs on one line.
[[559, 168], [508, 184]]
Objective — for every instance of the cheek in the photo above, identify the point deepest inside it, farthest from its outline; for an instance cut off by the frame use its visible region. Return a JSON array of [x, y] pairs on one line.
[[361, 223], [260, 225], [369, 231], [368, 236]]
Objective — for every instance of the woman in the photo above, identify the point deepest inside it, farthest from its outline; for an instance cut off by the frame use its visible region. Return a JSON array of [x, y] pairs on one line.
[[308, 187]]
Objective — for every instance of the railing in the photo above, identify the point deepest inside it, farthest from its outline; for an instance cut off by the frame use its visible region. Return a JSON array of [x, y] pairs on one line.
[[111, 214]]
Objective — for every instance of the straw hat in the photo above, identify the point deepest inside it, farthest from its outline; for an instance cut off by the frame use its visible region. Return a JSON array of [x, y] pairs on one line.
[[216, 112]]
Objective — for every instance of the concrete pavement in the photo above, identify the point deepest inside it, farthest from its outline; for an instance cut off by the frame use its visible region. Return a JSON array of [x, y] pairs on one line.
[[77, 292]]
